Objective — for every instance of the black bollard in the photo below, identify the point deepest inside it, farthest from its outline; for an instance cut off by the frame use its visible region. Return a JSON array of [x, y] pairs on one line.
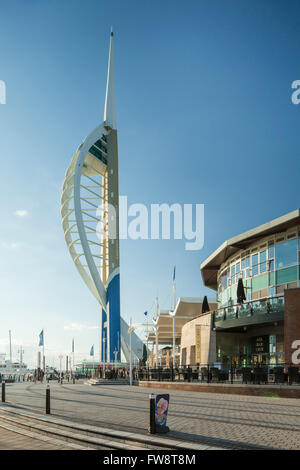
[[73, 380], [152, 427], [3, 391], [48, 400]]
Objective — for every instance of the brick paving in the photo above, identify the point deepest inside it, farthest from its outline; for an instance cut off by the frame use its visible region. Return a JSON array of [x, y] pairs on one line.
[[10, 440], [229, 420]]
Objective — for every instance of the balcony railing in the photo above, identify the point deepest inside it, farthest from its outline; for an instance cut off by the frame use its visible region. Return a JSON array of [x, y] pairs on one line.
[[248, 309]]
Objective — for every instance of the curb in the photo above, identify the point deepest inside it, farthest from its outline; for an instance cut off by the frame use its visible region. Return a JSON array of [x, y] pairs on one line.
[[124, 437]]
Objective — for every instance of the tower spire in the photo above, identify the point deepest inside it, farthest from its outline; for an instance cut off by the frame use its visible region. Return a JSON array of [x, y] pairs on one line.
[[110, 104]]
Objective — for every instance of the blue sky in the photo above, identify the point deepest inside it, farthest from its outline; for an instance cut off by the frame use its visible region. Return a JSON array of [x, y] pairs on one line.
[[204, 115]]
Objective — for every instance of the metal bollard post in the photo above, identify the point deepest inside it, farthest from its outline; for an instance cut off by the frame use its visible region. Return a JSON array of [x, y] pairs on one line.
[[189, 374], [231, 373], [152, 427], [48, 400], [73, 380], [208, 374], [3, 391]]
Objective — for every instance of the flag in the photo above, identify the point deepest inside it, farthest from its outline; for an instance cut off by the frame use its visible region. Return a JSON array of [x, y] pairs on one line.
[[174, 274], [72, 345], [92, 351], [145, 313], [41, 337]]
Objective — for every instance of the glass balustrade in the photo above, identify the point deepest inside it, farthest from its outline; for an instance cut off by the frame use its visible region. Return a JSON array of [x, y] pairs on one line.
[[256, 307]]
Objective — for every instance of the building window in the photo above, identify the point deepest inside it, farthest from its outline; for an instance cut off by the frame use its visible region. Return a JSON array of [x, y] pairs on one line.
[[232, 274], [286, 253], [272, 291], [263, 261], [237, 271], [271, 252], [254, 265], [224, 280]]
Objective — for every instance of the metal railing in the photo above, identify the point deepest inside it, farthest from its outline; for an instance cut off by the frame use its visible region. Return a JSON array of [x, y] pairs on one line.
[[258, 374]]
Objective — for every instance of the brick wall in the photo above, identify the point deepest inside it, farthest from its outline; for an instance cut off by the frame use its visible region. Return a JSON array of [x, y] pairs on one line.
[[291, 322]]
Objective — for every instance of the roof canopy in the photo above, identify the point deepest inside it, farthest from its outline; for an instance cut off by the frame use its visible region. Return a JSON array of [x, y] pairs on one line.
[[186, 309], [209, 268]]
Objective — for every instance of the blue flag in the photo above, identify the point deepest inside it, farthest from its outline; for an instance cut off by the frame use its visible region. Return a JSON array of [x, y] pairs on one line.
[[145, 313], [92, 351], [174, 274], [41, 336]]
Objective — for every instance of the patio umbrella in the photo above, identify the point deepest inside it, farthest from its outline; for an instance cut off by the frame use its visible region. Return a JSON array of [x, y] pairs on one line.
[[205, 306], [240, 293]]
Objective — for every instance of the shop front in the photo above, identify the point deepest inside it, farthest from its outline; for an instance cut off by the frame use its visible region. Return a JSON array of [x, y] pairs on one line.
[[263, 345]]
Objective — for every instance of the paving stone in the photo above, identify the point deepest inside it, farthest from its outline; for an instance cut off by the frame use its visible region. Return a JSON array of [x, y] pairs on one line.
[[209, 417]]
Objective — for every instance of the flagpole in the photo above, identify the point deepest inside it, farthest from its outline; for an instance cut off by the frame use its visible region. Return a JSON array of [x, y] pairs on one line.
[[147, 338], [130, 365], [156, 333], [174, 306], [73, 356], [10, 355], [44, 362]]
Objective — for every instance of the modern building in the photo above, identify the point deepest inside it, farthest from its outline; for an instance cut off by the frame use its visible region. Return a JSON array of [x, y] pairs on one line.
[[170, 327], [90, 220], [265, 327]]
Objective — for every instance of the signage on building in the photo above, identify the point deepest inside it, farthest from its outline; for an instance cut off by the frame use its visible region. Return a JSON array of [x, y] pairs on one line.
[[261, 344], [198, 344]]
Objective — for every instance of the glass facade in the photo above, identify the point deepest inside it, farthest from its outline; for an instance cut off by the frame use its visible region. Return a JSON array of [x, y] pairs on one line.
[[253, 332], [266, 268]]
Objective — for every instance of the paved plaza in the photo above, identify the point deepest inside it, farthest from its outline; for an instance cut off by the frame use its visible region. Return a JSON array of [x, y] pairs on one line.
[[215, 418], [10, 440]]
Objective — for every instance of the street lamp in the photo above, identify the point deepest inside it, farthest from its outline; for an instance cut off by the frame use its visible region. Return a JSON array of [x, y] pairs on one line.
[[21, 351], [130, 330], [60, 366], [115, 354], [103, 355]]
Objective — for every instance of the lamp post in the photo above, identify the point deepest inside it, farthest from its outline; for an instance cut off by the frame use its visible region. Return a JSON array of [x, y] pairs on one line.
[[60, 366], [115, 354], [130, 330], [21, 351], [103, 355]]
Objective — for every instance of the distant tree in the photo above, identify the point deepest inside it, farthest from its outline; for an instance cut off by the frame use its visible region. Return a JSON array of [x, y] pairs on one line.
[[144, 360]]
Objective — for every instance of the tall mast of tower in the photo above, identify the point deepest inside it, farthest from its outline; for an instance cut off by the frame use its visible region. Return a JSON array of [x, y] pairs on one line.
[[110, 102]]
